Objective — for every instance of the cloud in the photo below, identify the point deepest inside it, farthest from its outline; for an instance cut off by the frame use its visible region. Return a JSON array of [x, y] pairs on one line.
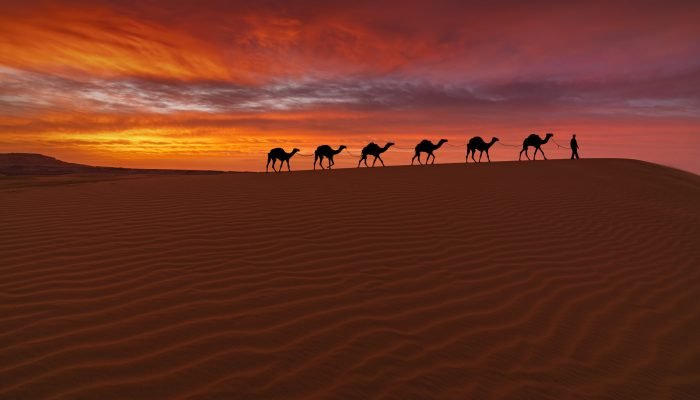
[[31, 94]]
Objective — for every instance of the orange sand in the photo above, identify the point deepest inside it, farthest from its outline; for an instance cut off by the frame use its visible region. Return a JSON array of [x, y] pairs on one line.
[[531, 280]]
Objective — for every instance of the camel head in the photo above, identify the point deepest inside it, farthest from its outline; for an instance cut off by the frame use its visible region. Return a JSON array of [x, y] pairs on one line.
[[295, 150], [442, 141], [389, 144], [550, 135], [494, 139], [342, 146]]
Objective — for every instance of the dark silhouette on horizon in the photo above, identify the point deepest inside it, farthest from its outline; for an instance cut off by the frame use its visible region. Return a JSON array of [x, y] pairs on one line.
[[279, 154], [477, 143], [574, 148], [535, 141], [373, 149], [325, 151], [426, 146]]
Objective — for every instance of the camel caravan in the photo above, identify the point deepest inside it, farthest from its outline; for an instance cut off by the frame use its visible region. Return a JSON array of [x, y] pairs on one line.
[[425, 146]]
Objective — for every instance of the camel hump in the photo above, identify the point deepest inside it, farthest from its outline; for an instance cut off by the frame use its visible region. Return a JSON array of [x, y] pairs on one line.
[[371, 146], [533, 136]]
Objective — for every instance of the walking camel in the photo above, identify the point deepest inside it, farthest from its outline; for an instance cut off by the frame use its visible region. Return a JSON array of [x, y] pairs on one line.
[[279, 154], [535, 141], [426, 146], [327, 152], [477, 143], [373, 149]]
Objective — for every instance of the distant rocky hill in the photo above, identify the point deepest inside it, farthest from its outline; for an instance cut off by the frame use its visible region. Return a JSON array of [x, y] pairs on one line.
[[12, 164]]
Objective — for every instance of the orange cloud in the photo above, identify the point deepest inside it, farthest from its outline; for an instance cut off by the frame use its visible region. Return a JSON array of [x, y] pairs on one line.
[[101, 43]]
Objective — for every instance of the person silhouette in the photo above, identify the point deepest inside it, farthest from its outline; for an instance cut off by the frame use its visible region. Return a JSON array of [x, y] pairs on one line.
[[574, 148]]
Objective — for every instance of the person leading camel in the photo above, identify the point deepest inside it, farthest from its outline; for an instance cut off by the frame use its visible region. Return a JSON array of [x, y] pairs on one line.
[[325, 151], [574, 148], [279, 154], [477, 143], [373, 149], [426, 146], [535, 141]]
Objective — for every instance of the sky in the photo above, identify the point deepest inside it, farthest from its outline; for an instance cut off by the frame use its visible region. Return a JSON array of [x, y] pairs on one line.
[[216, 84]]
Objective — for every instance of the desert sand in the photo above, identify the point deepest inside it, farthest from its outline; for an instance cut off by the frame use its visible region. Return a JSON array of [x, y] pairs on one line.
[[531, 280]]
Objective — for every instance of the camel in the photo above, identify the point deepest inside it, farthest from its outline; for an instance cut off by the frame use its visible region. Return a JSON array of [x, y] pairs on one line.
[[477, 143], [535, 141], [326, 151], [373, 149], [279, 154], [426, 146]]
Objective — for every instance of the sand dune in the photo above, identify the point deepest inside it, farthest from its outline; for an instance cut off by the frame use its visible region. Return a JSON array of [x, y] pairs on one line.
[[532, 280], [30, 164]]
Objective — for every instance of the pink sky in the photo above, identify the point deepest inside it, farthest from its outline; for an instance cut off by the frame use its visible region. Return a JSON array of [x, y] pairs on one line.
[[216, 84]]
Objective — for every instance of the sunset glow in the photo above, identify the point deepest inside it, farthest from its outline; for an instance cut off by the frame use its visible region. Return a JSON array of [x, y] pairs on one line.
[[215, 84]]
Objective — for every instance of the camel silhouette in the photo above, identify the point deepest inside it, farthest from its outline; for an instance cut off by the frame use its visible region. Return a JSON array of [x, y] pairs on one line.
[[477, 143], [426, 146], [279, 154], [373, 149], [327, 152], [535, 141]]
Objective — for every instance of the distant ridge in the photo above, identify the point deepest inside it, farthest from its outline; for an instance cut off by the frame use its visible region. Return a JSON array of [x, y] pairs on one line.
[[13, 164]]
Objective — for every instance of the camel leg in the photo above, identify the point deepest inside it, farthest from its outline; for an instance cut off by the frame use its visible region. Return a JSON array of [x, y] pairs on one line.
[[269, 158], [361, 158], [273, 164], [481, 154], [414, 157], [545, 157], [520, 156], [487, 156], [315, 159], [374, 161], [433, 158], [380, 160], [288, 167], [534, 156], [330, 162]]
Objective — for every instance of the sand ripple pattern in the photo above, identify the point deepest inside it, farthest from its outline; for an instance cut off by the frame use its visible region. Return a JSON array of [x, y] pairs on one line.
[[542, 280]]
